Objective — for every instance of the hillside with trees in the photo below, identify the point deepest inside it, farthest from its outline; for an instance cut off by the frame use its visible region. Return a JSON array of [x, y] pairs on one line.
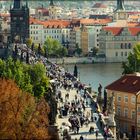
[[26, 101]]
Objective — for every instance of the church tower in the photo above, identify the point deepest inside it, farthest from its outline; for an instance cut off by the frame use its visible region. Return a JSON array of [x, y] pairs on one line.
[[120, 15], [52, 10], [120, 4], [19, 22]]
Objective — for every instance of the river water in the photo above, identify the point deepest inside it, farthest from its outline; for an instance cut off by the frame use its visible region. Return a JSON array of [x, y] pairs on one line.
[[94, 74]]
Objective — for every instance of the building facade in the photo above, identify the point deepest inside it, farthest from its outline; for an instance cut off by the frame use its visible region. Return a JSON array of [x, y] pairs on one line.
[[56, 29], [19, 21], [84, 40], [126, 91], [117, 42]]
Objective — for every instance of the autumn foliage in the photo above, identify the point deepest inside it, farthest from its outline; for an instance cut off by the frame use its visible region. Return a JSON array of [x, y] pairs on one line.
[[21, 116]]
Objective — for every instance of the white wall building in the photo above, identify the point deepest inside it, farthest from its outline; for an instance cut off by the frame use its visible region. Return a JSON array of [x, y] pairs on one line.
[[94, 32], [40, 31]]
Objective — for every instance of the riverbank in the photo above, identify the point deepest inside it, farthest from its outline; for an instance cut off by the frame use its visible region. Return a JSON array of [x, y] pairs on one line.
[[77, 60]]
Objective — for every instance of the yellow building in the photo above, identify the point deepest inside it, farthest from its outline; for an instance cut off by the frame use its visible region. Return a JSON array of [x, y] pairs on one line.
[[126, 91], [84, 40]]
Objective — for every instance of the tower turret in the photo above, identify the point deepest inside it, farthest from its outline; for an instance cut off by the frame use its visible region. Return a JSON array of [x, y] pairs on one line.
[[120, 4], [17, 4], [51, 3], [19, 22]]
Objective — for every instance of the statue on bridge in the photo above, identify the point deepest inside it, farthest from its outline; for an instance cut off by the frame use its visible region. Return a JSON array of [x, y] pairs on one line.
[[111, 106]]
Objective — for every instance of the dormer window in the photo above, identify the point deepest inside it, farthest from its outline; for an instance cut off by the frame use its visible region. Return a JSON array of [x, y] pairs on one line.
[[123, 81]]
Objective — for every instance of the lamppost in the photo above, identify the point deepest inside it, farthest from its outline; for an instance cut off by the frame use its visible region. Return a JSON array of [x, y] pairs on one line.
[[136, 108]]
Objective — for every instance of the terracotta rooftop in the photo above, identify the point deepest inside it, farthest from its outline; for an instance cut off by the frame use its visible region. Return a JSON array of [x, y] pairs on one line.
[[133, 24], [114, 30], [4, 14], [51, 23], [95, 21], [134, 30], [134, 16], [127, 83], [117, 30]]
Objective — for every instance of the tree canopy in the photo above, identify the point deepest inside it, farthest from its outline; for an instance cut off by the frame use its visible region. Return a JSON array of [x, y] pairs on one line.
[[133, 61], [53, 48], [28, 77]]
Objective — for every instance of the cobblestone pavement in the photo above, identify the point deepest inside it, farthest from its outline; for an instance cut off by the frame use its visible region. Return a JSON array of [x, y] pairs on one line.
[[84, 131]]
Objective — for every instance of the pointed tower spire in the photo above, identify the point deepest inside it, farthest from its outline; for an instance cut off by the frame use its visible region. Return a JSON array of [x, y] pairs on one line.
[[51, 3], [16, 4], [26, 4], [120, 4]]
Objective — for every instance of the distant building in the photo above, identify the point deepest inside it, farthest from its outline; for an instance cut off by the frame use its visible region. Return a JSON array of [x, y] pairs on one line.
[[102, 16], [120, 15], [117, 42], [126, 91], [42, 13], [5, 29], [100, 8], [94, 27], [56, 29], [19, 21]]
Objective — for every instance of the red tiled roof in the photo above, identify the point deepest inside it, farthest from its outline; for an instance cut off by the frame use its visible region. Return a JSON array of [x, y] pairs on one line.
[[127, 83], [117, 30], [133, 24], [134, 30], [95, 21], [114, 30], [51, 23]]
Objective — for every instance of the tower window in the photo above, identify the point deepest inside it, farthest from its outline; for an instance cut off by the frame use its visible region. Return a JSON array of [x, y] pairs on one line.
[[21, 18], [15, 18]]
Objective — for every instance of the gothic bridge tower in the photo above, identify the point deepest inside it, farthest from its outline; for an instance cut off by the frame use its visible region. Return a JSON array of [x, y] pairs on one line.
[[19, 22]]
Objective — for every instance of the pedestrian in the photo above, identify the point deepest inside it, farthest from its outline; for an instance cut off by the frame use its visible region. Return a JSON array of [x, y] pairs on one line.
[[81, 138], [91, 129], [96, 134], [77, 91]]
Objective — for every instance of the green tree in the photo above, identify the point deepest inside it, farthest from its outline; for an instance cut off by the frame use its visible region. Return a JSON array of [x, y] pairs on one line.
[[95, 51], [133, 61], [30, 78], [48, 46], [63, 51], [37, 72], [53, 48], [41, 88]]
